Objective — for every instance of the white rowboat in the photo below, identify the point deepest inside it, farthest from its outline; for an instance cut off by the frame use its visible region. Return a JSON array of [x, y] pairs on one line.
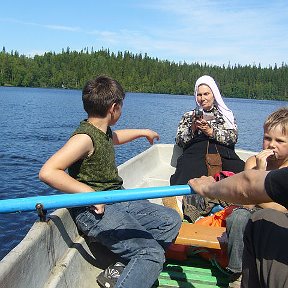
[[53, 254]]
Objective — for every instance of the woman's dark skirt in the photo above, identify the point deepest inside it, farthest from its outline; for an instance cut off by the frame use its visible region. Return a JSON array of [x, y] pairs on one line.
[[191, 164]]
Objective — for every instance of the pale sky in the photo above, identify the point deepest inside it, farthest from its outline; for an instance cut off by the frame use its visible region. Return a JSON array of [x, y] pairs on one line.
[[244, 32]]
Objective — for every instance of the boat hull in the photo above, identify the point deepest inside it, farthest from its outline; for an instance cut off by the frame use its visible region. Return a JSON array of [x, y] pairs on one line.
[[54, 254]]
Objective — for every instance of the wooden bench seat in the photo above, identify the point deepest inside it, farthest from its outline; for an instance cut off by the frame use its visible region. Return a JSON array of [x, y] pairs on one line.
[[201, 236]]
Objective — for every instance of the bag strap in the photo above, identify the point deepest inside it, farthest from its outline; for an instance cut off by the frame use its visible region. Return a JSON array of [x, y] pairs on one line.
[[207, 152]]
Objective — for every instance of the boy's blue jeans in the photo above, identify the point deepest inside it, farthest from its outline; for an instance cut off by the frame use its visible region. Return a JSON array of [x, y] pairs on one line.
[[235, 226], [138, 231]]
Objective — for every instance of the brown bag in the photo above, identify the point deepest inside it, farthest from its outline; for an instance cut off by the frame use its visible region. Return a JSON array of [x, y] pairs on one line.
[[195, 206], [213, 162]]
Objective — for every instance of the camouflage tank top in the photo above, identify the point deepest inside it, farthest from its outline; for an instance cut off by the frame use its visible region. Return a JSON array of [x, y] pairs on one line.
[[98, 170]]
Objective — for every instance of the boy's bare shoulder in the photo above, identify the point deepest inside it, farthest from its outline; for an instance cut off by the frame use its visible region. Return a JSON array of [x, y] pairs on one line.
[[250, 162], [82, 143]]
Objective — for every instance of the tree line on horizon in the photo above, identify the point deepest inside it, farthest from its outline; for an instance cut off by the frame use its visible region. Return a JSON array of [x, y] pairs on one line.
[[139, 73]]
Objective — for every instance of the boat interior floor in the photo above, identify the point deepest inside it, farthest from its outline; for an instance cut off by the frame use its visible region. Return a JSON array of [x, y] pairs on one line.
[[194, 272]]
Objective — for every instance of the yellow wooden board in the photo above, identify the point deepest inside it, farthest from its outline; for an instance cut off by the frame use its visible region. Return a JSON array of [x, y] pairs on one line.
[[201, 236]]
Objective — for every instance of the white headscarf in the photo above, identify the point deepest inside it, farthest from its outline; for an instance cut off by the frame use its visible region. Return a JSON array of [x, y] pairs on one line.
[[219, 103]]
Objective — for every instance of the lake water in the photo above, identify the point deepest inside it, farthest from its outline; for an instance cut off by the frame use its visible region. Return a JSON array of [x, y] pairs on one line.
[[37, 122]]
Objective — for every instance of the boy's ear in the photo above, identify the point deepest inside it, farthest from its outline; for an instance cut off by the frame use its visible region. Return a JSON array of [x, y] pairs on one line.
[[112, 108]]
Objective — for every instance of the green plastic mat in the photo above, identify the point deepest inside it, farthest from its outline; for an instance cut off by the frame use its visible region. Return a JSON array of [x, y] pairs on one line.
[[192, 273]]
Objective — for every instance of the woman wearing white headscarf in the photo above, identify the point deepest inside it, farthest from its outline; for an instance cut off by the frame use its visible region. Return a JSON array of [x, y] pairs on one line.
[[217, 127]]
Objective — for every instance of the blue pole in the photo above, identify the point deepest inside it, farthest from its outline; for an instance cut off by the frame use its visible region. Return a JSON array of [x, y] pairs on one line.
[[86, 199]]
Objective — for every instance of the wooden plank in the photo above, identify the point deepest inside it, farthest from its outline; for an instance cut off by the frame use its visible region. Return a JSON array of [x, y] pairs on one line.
[[194, 272], [201, 236]]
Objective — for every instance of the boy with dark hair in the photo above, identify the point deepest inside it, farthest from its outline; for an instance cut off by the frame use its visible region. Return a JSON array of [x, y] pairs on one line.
[[138, 231]]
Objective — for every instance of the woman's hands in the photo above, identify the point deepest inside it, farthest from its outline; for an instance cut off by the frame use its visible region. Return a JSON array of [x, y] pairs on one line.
[[204, 126]]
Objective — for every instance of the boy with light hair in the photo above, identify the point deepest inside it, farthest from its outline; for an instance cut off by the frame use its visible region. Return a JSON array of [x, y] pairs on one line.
[[273, 156]]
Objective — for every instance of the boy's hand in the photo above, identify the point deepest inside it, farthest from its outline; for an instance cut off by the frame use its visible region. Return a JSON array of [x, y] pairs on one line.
[[262, 157], [98, 209], [151, 135]]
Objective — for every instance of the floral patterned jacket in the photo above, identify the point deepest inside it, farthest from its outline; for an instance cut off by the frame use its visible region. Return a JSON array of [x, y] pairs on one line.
[[185, 136]]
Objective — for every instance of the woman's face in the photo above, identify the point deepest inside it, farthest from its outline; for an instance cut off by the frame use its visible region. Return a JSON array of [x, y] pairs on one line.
[[205, 97]]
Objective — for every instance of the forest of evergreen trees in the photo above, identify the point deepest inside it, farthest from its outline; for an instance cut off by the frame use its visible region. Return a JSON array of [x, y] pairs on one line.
[[139, 73]]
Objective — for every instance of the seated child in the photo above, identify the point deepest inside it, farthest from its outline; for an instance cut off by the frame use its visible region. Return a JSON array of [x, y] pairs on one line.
[[273, 156], [138, 231]]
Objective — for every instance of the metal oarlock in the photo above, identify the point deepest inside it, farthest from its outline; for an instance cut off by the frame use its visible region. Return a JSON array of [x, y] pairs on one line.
[[41, 212]]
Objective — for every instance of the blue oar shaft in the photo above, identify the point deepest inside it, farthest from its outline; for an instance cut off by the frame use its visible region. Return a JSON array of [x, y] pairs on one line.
[[86, 199]]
